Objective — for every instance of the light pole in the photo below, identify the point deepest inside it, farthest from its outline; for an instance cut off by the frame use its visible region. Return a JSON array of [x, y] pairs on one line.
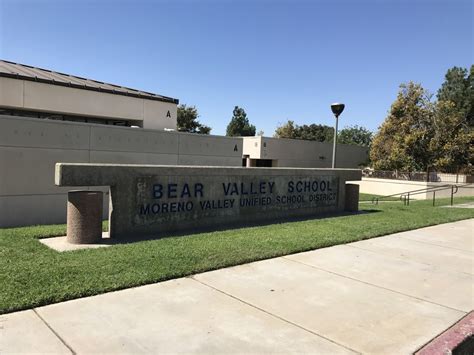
[[337, 109]]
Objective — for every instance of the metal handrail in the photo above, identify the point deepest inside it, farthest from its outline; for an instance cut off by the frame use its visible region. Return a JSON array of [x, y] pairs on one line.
[[405, 196], [454, 189], [401, 194]]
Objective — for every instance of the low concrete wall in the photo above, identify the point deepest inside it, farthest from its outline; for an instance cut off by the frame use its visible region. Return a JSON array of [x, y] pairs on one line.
[[456, 178], [152, 200], [30, 148], [386, 187]]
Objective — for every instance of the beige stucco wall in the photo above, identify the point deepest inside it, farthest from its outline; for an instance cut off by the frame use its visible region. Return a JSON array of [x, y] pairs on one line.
[[252, 147], [34, 96], [11, 92], [29, 149], [155, 115], [302, 153]]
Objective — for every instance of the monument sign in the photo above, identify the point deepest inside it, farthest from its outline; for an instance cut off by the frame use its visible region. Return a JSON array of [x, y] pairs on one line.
[[150, 200]]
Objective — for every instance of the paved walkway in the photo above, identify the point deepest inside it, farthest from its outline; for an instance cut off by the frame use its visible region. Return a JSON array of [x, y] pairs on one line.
[[462, 205], [387, 295]]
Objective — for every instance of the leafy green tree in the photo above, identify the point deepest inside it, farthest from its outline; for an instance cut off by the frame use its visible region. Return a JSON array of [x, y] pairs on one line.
[[452, 145], [470, 113], [355, 135], [239, 125], [419, 134], [458, 88], [403, 140], [313, 132], [286, 130], [188, 120]]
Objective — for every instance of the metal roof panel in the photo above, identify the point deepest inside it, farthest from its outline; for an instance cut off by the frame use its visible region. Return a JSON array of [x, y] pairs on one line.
[[27, 72]]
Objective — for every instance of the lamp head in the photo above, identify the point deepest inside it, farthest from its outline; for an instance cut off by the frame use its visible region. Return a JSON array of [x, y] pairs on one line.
[[337, 109]]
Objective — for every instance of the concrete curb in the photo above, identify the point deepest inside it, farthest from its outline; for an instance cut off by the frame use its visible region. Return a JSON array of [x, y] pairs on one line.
[[449, 340]]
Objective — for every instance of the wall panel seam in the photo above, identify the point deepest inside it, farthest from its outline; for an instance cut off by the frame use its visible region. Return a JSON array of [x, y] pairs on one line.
[[90, 140], [175, 154], [49, 194], [35, 147], [131, 151]]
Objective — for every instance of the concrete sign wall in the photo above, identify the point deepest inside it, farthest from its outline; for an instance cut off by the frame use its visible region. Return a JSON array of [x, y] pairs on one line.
[[151, 200]]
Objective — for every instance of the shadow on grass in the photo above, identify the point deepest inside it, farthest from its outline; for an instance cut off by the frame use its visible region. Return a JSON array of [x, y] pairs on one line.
[[234, 226]]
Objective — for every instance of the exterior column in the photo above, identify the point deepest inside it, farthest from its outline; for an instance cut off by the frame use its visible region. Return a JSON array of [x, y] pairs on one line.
[[84, 217]]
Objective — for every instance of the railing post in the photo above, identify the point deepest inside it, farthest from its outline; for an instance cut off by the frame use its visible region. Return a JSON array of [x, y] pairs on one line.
[[408, 199], [434, 197], [452, 194]]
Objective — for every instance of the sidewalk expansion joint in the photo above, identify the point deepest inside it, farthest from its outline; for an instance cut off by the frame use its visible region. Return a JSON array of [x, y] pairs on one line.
[[373, 285], [54, 332], [274, 315]]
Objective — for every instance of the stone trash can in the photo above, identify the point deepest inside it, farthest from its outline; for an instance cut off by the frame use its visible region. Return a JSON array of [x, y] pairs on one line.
[[84, 217], [352, 198]]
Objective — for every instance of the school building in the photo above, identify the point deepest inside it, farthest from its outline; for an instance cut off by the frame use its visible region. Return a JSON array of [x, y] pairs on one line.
[[48, 117]]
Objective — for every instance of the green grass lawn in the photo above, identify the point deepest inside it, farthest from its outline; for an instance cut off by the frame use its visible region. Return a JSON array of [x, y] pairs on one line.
[[32, 275]]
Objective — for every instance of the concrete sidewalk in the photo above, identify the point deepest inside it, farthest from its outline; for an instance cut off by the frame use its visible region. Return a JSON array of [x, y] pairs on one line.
[[387, 295]]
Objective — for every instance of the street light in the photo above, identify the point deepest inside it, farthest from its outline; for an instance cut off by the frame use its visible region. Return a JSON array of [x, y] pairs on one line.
[[337, 109]]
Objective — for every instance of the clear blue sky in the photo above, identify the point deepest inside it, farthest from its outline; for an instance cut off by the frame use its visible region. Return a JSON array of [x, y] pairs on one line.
[[278, 60]]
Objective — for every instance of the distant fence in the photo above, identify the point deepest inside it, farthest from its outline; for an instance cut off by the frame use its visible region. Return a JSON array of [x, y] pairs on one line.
[[432, 176]]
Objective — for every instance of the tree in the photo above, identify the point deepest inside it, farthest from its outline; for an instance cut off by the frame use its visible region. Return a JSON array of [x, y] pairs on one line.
[[355, 135], [403, 140], [313, 132], [239, 125], [287, 130], [452, 145], [470, 113], [188, 120], [419, 134], [458, 89]]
